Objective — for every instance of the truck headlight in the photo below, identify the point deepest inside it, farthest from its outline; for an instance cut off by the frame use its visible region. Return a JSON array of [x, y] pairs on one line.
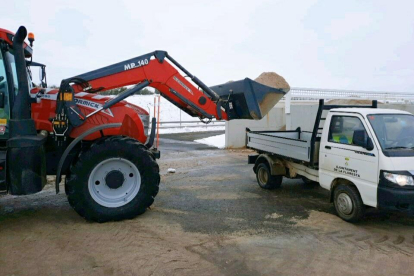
[[399, 179]]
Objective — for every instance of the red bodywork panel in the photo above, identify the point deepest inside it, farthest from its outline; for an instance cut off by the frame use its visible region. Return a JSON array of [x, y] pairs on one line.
[[122, 112]]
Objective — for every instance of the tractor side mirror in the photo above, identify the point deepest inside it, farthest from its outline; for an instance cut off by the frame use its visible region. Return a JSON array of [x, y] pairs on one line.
[[43, 76], [1, 99]]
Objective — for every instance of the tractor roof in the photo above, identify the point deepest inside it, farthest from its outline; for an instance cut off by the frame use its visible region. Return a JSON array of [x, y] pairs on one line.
[[7, 36]]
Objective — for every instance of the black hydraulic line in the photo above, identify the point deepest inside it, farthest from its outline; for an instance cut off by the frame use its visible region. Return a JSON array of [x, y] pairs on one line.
[[120, 97], [33, 63], [126, 94], [194, 106], [21, 108], [73, 144], [132, 63], [117, 67], [205, 88], [151, 137]]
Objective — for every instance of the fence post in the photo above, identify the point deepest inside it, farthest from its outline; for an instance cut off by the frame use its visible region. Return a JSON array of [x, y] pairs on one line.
[[288, 98]]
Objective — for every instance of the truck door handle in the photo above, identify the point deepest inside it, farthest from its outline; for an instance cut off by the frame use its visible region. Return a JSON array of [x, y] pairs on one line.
[[328, 147]]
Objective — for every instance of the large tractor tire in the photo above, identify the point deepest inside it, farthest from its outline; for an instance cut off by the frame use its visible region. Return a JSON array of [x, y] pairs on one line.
[[116, 178]]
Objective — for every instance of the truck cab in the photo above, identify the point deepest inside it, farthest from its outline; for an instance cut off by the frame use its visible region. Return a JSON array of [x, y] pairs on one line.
[[374, 150], [363, 155]]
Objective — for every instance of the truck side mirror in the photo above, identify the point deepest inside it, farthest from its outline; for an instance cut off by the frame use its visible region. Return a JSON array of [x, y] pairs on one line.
[[370, 144], [361, 138]]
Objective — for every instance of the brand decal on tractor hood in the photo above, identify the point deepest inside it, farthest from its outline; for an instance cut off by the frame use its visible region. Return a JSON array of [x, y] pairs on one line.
[[82, 102], [93, 105]]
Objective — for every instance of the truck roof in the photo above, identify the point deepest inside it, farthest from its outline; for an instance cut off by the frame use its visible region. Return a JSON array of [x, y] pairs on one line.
[[367, 111]]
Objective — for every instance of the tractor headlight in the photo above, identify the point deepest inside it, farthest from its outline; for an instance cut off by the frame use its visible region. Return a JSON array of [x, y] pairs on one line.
[[400, 179]]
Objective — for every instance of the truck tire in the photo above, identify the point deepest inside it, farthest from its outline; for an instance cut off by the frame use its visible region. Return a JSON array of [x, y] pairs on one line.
[[265, 179], [116, 178], [348, 203]]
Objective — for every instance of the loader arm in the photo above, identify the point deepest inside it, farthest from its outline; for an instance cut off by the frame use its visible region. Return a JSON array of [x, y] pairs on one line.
[[244, 99], [156, 68]]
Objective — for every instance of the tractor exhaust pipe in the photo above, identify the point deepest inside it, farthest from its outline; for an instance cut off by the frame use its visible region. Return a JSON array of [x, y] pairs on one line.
[[21, 108], [26, 159]]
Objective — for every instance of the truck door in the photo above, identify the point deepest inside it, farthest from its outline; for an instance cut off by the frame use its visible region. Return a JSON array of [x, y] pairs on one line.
[[341, 157]]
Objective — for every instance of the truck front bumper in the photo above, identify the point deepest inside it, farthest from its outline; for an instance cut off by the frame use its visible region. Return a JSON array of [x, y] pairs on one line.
[[392, 197]]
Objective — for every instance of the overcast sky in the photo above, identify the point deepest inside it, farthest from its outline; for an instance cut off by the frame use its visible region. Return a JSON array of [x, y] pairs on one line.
[[361, 44]]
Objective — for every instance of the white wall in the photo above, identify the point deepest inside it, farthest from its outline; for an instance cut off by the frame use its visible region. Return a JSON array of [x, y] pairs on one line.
[[236, 129]]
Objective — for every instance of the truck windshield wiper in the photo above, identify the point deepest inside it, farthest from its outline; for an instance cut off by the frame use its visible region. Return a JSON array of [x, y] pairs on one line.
[[391, 148]]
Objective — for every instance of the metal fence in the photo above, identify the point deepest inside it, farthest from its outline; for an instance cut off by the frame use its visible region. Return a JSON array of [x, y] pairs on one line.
[[190, 124], [306, 94]]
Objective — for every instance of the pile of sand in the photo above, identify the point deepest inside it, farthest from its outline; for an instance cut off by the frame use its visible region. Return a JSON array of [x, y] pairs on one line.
[[273, 80], [349, 102]]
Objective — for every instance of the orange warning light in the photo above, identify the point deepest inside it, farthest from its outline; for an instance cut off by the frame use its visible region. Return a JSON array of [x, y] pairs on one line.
[[31, 38]]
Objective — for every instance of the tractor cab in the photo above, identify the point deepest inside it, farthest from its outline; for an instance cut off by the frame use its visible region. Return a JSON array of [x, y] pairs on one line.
[[20, 143], [9, 84]]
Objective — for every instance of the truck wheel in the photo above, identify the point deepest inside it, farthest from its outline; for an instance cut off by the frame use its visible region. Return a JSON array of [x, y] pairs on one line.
[[265, 179], [116, 178], [348, 203]]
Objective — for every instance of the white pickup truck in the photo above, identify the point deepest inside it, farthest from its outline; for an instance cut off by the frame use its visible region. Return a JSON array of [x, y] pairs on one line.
[[363, 155]]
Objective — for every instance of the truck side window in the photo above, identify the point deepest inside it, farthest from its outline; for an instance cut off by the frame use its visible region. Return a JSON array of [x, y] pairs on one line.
[[343, 129]]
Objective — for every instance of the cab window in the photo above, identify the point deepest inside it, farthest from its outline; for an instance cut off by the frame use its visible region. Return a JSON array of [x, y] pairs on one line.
[[346, 130], [3, 76], [10, 57]]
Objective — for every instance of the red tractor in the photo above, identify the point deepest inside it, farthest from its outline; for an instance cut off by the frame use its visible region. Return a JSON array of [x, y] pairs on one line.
[[102, 144]]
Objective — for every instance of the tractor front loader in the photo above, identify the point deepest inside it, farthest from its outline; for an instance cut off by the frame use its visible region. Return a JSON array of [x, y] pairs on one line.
[[102, 145]]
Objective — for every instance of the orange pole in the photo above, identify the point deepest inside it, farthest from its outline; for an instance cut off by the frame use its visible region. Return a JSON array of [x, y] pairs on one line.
[[158, 121], [155, 103]]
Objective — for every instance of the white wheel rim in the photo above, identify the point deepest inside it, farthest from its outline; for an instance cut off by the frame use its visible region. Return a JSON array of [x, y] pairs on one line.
[[263, 176], [116, 196], [344, 203]]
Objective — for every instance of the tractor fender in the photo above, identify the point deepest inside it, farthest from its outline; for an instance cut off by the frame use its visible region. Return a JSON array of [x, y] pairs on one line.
[[73, 144]]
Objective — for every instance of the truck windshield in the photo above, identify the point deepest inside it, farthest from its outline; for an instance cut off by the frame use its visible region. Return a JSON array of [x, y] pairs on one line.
[[395, 132]]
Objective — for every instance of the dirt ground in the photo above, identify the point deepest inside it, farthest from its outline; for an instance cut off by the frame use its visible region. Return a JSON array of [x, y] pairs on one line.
[[210, 218]]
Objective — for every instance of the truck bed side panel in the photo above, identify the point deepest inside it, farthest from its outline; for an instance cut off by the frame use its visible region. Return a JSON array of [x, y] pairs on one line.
[[283, 146]]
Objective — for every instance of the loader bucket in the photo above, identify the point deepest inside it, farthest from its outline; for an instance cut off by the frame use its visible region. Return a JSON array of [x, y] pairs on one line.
[[248, 99]]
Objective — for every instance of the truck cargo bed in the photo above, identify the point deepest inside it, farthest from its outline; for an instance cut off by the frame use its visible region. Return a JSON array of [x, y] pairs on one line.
[[291, 144]]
